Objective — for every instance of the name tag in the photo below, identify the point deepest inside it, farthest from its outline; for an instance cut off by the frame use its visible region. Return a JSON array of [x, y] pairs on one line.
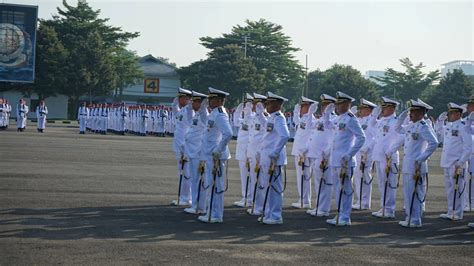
[[269, 127], [342, 126], [180, 117], [414, 136], [320, 127], [455, 133], [386, 129], [303, 125], [195, 122], [245, 127], [257, 127], [210, 123]]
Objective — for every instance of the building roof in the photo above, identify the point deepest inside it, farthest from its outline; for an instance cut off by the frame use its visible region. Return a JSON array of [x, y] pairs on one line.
[[458, 61], [154, 67]]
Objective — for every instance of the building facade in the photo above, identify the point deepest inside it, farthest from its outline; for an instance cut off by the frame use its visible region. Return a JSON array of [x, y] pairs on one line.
[[467, 66]]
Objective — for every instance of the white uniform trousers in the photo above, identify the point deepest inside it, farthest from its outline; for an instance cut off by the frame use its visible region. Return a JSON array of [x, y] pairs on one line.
[[306, 180], [391, 186], [345, 194], [42, 122], [274, 204], [363, 181], [244, 174], [194, 172], [323, 179], [469, 193], [185, 192], [418, 197], [253, 179], [216, 195], [455, 206]]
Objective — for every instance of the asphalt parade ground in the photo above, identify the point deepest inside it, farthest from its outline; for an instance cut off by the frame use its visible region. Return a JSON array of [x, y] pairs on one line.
[[67, 198]]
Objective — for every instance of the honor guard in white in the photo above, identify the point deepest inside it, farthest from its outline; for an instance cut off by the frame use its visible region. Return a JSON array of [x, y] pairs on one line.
[[241, 119], [123, 112], [3, 114], [419, 142], [21, 115], [272, 158], [180, 105], [145, 115], [215, 152], [197, 114], [162, 117], [8, 109], [41, 113], [386, 163], [257, 127], [348, 139], [319, 146], [303, 118], [362, 173], [456, 152], [469, 194]]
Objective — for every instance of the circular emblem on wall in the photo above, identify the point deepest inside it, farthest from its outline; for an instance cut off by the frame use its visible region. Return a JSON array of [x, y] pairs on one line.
[[14, 46]]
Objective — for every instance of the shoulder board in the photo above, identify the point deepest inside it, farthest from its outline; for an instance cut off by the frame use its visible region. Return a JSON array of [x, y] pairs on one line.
[[220, 109], [278, 114], [422, 122], [266, 114], [351, 114]]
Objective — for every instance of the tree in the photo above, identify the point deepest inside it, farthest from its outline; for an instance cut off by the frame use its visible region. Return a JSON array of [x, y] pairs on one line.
[[454, 87], [409, 84], [270, 51], [127, 70], [341, 78], [227, 69], [51, 56], [92, 48]]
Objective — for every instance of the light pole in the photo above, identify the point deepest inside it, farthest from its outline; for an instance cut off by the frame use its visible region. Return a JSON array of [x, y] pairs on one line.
[[246, 38]]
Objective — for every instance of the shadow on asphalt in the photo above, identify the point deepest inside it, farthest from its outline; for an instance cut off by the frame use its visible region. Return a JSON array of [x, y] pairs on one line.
[[162, 223]]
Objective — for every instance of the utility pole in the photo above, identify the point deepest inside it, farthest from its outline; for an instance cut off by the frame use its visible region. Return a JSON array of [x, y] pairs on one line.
[[245, 45]]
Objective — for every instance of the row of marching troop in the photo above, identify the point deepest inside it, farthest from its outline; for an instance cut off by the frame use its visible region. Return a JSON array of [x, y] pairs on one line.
[[120, 118], [22, 111], [336, 145]]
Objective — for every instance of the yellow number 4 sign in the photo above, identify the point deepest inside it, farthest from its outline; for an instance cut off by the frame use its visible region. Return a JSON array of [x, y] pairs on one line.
[[152, 85]]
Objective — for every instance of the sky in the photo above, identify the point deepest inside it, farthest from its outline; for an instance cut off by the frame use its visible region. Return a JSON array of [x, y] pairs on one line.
[[369, 35]]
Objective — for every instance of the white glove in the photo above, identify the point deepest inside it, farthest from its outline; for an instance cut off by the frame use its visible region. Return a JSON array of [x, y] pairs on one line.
[[459, 164], [297, 109], [443, 116], [248, 109], [274, 156], [471, 117], [239, 109], [403, 115], [330, 108], [354, 109], [216, 155], [313, 108], [259, 108], [204, 105], [346, 158], [377, 111], [175, 101]]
